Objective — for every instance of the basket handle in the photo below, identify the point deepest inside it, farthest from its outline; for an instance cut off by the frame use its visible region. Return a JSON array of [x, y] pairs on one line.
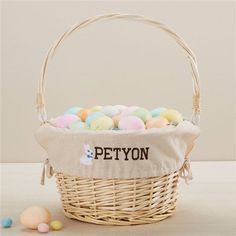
[[40, 100]]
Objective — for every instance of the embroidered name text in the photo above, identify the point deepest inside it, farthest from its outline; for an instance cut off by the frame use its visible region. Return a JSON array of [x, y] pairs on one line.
[[109, 153]]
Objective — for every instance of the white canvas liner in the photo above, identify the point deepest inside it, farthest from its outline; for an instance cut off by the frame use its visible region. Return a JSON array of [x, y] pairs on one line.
[[118, 154]]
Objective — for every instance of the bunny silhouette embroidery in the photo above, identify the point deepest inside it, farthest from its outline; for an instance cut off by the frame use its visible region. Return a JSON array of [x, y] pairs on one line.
[[87, 158]]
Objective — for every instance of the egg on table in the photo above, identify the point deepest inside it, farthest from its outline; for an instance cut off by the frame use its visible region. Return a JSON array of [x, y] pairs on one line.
[[6, 222], [56, 225], [43, 228], [33, 216]]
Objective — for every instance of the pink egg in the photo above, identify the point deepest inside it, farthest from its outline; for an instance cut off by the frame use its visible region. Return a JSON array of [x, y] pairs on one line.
[[131, 123], [129, 110], [43, 228], [65, 120], [157, 122]]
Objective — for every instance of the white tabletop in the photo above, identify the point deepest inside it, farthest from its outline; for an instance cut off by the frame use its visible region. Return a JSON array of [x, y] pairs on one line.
[[205, 207]]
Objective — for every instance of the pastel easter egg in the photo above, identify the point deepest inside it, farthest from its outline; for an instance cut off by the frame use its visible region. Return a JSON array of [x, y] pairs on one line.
[[120, 107], [96, 108], [65, 120], [157, 111], [43, 228], [73, 110], [56, 225], [92, 116], [110, 111], [143, 114], [116, 120], [82, 114], [157, 122], [131, 123], [33, 216], [6, 222], [129, 110], [102, 123], [78, 125], [172, 116]]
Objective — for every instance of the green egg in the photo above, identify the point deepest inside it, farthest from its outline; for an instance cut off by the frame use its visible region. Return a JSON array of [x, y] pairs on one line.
[[102, 123], [143, 114]]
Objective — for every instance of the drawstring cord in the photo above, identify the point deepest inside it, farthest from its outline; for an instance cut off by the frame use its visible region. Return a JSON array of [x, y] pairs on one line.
[[185, 171], [47, 171]]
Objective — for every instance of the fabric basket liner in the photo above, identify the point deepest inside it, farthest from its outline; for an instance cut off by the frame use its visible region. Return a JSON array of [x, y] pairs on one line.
[[118, 154]]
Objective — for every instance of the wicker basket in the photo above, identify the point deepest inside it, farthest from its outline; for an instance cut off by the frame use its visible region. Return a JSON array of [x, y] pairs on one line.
[[119, 201]]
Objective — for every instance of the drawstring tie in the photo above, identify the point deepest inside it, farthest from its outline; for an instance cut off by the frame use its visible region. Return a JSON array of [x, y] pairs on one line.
[[47, 170], [185, 171]]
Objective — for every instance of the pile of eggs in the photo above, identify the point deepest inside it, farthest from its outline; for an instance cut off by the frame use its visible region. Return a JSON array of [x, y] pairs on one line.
[[35, 218], [116, 117]]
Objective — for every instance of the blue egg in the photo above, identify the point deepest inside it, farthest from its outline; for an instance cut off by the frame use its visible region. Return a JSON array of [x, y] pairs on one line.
[[73, 110], [6, 222], [156, 112], [92, 116]]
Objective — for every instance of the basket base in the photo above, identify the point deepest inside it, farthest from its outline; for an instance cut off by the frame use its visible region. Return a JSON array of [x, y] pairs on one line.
[[118, 202], [119, 222]]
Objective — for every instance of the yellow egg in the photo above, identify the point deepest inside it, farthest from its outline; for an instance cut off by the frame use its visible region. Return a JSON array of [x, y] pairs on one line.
[[33, 216], [82, 114], [172, 116], [102, 123], [157, 122], [56, 225]]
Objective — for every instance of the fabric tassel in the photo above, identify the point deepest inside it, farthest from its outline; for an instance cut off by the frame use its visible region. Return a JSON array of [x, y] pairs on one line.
[[47, 170], [185, 172]]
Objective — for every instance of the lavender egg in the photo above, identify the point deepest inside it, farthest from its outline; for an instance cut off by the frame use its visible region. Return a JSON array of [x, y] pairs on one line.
[[131, 123]]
